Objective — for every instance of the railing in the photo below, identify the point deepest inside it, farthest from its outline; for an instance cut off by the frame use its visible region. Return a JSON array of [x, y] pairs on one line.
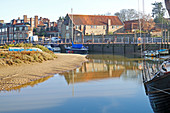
[[120, 40]]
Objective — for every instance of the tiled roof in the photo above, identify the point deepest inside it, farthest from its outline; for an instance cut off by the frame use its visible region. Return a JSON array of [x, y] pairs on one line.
[[95, 20]]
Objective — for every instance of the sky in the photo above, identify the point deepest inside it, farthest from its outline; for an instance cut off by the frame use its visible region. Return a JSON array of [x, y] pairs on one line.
[[53, 9]]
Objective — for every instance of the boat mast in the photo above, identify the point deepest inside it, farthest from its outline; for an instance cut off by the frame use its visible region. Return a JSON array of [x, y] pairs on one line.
[[139, 25], [143, 24], [72, 24]]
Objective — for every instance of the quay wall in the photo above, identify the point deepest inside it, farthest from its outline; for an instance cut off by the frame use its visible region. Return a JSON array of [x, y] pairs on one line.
[[120, 48]]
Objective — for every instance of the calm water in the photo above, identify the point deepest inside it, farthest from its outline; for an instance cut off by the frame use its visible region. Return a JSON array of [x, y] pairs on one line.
[[106, 84]]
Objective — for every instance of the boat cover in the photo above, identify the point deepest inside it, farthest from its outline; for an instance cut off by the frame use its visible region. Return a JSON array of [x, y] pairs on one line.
[[77, 45]]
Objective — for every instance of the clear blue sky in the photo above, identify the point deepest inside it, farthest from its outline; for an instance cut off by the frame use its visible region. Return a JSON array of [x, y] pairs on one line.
[[52, 9]]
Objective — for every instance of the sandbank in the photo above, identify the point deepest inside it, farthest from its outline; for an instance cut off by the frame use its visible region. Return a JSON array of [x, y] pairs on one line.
[[13, 76]]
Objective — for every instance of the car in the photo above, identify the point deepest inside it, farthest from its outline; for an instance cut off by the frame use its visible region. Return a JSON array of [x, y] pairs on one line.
[[46, 39], [55, 39]]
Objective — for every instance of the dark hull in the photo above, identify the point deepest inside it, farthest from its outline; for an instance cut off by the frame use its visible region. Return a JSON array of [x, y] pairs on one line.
[[78, 51], [158, 90]]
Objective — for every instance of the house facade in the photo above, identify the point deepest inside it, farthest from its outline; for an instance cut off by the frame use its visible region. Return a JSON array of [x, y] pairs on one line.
[[19, 30], [89, 25], [14, 31]]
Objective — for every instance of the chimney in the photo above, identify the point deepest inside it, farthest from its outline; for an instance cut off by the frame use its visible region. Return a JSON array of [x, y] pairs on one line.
[[36, 21], [25, 18], [31, 22], [108, 25], [109, 22], [48, 23], [40, 18], [14, 22]]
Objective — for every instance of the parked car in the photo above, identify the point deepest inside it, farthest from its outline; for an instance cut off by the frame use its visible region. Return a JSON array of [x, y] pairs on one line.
[[46, 39], [55, 39]]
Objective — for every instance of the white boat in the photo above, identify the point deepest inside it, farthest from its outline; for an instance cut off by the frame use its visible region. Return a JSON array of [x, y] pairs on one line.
[[163, 51], [53, 47], [151, 53]]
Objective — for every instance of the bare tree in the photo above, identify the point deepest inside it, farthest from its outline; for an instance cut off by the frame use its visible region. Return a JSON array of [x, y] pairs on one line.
[[127, 14]]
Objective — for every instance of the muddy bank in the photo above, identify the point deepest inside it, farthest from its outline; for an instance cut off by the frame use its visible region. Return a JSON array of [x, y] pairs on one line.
[[13, 76]]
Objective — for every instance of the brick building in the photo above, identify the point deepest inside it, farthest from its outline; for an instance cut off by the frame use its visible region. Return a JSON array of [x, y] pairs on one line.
[[90, 24], [21, 29], [133, 25]]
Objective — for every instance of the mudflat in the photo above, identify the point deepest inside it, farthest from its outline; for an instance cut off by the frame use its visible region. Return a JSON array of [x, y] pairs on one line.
[[13, 76]]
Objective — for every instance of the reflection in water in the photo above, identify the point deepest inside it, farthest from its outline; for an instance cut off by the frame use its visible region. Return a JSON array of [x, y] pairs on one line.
[[32, 84], [106, 83], [103, 67]]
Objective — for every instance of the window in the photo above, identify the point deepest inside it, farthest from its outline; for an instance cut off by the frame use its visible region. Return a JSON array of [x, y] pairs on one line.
[[20, 35], [67, 35], [15, 28], [67, 27], [94, 26], [26, 28], [2, 30], [77, 27], [20, 28]]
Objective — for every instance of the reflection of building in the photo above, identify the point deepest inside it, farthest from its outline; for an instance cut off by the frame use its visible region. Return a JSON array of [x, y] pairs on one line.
[[94, 71]]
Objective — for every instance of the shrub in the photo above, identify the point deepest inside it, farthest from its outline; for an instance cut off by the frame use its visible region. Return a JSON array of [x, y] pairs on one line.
[[2, 62], [17, 60], [10, 62]]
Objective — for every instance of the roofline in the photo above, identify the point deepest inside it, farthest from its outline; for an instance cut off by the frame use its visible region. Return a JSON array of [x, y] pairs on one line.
[[92, 15]]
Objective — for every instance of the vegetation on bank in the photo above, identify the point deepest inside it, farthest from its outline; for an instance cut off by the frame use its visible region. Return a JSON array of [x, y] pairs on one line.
[[15, 58]]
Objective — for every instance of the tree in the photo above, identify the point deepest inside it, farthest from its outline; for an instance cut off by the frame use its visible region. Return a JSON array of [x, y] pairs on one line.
[[158, 12], [127, 14]]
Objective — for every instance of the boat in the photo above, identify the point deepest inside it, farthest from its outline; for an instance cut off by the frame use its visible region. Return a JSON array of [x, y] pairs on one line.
[[151, 53], [53, 47], [163, 51], [77, 48], [23, 49], [158, 88]]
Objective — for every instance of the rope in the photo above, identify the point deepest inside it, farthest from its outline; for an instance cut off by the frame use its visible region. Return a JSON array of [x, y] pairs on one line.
[[160, 90]]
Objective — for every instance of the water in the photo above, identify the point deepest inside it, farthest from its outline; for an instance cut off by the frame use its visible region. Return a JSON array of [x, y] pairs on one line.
[[106, 84]]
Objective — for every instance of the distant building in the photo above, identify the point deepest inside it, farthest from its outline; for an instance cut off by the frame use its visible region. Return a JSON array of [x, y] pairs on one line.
[[1, 21], [90, 25], [133, 25], [14, 31], [20, 29]]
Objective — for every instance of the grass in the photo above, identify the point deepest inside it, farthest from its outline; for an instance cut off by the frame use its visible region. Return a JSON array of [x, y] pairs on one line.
[[15, 58]]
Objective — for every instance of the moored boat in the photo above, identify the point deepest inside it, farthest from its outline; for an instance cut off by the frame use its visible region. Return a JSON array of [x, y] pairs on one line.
[[23, 49], [151, 53], [158, 89], [53, 47], [77, 48], [163, 51]]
